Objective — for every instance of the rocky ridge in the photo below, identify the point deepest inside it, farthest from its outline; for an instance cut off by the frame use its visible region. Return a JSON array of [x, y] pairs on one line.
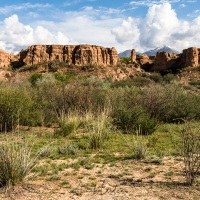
[[71, 54], [105, 59]]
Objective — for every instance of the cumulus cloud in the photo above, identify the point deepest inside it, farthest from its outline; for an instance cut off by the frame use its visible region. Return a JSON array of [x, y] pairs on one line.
[[16, 35], [127, 32], [161, 26]]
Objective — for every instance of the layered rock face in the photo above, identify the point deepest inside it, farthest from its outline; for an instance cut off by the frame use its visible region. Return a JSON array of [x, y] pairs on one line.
[[164, 61], [77, 55], [190, 57], [5, 58]]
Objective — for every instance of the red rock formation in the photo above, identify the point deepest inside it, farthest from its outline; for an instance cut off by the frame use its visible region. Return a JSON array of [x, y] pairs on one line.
[[144, 59], [77, 55], [133, 56], [5, 58], [164, 61], [190, 57]]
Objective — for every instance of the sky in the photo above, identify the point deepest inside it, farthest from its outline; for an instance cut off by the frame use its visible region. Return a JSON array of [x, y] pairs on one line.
[[123, 24]]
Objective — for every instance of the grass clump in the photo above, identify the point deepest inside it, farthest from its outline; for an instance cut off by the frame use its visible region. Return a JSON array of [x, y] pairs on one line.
[[68, 126], [100, 132], [139, 149], [16, 163]]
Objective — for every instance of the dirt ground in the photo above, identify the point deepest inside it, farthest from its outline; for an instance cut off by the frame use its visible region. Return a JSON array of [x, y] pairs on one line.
[[123, 180]]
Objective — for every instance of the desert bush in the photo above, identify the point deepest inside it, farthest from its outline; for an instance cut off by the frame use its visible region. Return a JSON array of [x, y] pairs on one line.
[[125, 60], [190, 150], [16, 163], [170, 103], [154, 159], [168, 78], [130, 120], [64, 77], [16, 107], [47, 152], [58, 99], [53, 66], [156, 77], [195, 82], [69, 149], [66, 128], [34, 78], [29, 67]]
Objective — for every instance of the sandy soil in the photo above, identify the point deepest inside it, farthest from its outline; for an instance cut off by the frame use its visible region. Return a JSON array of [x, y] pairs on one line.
[[123, 180]]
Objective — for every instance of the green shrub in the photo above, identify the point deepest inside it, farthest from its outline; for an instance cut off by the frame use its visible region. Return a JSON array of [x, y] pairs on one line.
[[53, 66], [170, 103], [66, 128], [156, 77], [134, 119], [16, 106], [63, 77], [169, 77], [34, 78], [125, 60], [29, 67]]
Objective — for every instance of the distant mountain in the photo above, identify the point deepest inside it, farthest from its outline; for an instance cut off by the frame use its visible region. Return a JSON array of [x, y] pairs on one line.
[[153, 52], [160, 49], [126, 53]]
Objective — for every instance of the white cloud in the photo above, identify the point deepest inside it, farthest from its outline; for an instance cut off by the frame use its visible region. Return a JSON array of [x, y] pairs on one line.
[[161, 26], [24, 6], [151, 3], [128, 32], [103, 26], [182, 5], [88, 27], [192, 1], [16, 35]]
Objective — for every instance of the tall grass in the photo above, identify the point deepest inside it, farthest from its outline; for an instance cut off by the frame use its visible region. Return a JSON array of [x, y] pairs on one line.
[[100, 130], [16, 162]]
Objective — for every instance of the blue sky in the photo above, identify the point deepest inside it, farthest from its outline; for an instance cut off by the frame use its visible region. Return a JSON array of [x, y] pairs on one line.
[[124, 24]]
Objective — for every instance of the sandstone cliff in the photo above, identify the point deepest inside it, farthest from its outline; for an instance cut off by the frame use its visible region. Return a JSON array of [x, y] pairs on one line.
[[170, 61], [5, 58], [164, 61], [77, 55], [190, 57]]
